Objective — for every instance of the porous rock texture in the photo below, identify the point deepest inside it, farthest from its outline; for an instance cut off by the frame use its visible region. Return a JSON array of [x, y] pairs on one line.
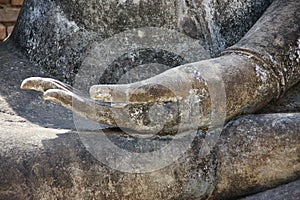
[[254, 71], [254, 153], [42, 157], [57, 34]]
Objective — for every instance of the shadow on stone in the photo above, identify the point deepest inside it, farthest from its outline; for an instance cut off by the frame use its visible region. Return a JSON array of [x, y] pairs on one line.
[[14, 68]]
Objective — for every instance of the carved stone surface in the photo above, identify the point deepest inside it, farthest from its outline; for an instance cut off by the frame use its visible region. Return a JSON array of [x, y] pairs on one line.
[[287, 191], [57, 34], [259, 68], [39, 162], [254, 152]]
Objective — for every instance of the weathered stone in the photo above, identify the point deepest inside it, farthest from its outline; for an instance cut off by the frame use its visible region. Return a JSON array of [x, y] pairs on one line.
[[57, 34], [39, 163], [253, 72], [287, 191], [254, 157], [49, 163]]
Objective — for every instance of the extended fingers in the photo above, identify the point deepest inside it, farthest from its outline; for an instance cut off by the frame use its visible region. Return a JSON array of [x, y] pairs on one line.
[[41, 84], [85, 107], [62, 97], [44, 84]]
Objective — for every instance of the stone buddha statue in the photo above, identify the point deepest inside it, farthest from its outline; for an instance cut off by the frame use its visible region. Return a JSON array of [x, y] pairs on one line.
[[186, 81]]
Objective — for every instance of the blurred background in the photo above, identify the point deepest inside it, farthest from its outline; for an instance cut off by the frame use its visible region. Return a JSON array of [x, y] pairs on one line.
[[9, 11]]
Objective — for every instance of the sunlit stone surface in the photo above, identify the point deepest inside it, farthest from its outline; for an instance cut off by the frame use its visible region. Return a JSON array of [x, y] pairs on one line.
[[43, 157]]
